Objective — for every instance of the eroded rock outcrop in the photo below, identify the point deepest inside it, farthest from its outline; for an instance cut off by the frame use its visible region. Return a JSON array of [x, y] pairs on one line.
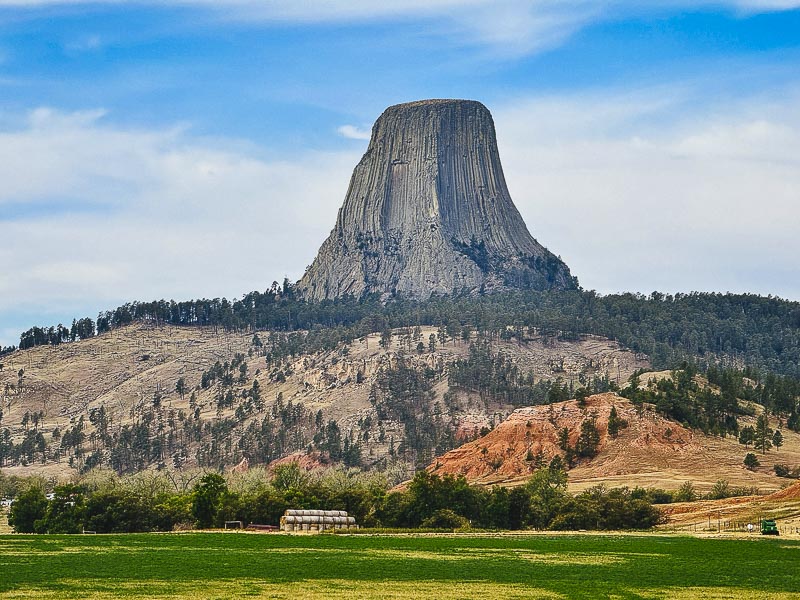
[[428, 212]]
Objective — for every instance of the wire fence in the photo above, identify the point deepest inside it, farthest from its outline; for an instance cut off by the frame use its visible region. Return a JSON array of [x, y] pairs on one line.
[[734, 526]]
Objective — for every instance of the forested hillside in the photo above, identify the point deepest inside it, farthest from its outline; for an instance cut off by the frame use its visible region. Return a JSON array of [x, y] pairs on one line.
[[175, 397], [745, 329], [210, 382]]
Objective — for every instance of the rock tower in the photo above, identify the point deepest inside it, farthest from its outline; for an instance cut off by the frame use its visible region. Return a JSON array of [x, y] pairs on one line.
[[428, 212]]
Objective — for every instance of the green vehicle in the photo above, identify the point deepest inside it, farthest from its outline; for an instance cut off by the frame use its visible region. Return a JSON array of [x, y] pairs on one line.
[[769, 527]]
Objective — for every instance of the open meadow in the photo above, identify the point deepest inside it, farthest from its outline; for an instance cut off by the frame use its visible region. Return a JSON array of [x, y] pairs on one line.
[[226, 565]]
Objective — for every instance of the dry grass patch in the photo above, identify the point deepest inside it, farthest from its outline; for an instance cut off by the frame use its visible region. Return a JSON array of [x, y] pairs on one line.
[[307, 590], [715, 593]]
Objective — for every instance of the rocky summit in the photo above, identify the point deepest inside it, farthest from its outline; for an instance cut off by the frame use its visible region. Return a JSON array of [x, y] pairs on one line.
[[428, 212]]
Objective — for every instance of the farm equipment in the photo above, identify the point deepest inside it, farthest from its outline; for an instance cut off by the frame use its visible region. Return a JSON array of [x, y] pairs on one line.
[[769, 527]]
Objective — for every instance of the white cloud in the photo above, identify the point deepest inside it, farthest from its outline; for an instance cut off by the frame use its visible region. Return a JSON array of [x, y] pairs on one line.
[[168, 215], [353, 133], [638, 195], [507, 27], [84, 44], [766, 5]]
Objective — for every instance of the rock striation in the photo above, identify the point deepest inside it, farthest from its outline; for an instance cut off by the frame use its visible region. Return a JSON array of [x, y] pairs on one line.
[[428, 212]]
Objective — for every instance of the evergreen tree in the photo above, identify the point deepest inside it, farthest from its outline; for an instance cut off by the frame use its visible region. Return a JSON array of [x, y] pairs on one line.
[[615, 422], [180, 387], [747, 435], [751, 461], [588, 439], [763, 435]]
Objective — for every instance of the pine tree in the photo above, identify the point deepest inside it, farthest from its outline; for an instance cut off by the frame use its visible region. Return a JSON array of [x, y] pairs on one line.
[[763, 438], [615, 422], [747, 435], [751, 461], [588, 439], [180, 387]]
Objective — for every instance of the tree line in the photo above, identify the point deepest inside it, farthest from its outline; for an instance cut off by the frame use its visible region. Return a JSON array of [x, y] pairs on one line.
[[763, 332], [39, 336], [429, 501], [402, 392]]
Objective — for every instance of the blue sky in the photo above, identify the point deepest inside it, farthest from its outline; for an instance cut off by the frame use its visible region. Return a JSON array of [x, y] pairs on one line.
[[197, 148]]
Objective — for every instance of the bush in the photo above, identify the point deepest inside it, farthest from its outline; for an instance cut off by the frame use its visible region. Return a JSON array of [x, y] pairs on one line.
[[721, 489], [599, 508], [171, 511], [118, 512], [266, 508], [652, 495], [686, 493], [786, 471], [28, 508], [751, 461], [445, 518], [65, 512]]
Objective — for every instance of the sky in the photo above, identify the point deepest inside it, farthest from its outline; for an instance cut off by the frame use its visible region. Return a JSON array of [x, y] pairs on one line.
[[202, 148]]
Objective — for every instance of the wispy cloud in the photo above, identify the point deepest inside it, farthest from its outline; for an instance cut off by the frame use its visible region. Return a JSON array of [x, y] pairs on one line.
[[86, 43], [353, 133], [765, 5], [639, 192], [509, 27], [180, 216]]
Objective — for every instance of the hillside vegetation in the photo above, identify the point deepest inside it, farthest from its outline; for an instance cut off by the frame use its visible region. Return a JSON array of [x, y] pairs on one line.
[[210, 383], [165, 396], [762, 332], [608, 439]]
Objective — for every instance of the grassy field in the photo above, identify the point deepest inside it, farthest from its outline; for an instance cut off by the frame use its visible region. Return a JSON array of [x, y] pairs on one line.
[[216, 565]]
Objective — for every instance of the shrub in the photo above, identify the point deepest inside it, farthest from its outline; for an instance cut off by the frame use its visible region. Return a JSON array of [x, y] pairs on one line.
[[751, 461], [170, 512], [28, 508], [686, 493], [444, 518], [786, 471], [118, 512], [721, 489], [206, 498]]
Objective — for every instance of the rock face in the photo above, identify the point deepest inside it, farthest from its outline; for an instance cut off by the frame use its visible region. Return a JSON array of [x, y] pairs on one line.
[[428, 212]]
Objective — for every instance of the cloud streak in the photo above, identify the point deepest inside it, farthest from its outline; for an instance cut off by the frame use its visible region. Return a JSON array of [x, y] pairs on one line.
[[639, 196], [507, 27], [173, 216], [352, 132]]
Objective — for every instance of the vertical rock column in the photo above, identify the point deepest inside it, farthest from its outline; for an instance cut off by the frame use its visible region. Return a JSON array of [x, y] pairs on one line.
[[428, 211]]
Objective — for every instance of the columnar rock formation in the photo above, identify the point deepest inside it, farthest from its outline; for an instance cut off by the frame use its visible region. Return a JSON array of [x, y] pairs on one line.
[[428, 212]]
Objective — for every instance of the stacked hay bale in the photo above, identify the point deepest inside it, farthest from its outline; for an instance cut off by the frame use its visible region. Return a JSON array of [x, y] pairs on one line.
[[316, 520]]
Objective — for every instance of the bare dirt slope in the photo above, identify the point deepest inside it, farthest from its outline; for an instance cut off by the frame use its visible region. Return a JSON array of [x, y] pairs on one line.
[[123, 370], [651, 452]]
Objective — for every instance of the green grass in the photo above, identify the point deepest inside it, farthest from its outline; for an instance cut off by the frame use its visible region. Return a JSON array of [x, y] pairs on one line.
[[201, 565]]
